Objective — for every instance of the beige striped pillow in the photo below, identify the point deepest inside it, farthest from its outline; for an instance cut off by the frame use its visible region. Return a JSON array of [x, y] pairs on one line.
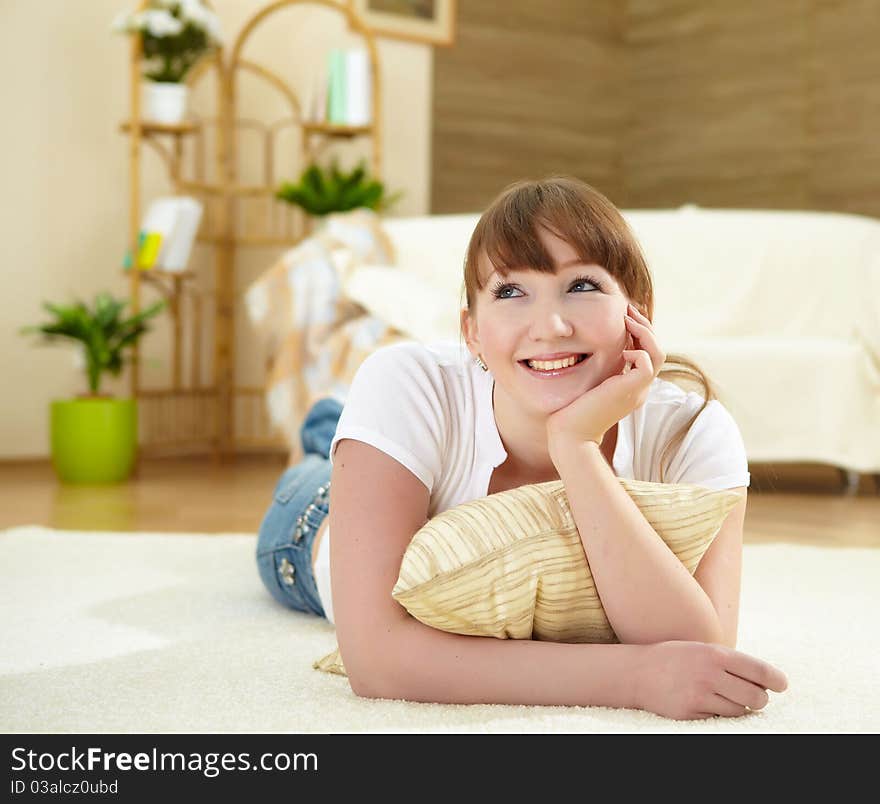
[[511, 565]]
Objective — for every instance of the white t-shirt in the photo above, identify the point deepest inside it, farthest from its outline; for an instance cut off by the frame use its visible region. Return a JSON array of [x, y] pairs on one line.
[[429, 406]]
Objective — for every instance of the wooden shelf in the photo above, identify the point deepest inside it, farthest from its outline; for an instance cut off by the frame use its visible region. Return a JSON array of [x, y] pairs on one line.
[[204, 399], [335, 129], [161, 273], [148, 127], [244, 190]]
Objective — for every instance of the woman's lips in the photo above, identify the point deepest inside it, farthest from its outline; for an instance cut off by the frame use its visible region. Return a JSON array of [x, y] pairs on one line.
[[546, 375]]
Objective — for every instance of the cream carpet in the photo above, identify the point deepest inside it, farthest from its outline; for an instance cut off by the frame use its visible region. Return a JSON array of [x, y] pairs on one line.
[[149, 633]]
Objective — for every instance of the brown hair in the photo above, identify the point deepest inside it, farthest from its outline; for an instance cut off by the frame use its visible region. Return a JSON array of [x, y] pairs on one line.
[[579, 214]]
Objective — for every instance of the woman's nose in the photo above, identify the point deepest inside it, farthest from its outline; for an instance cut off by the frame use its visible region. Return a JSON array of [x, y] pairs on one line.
[[549, 323]]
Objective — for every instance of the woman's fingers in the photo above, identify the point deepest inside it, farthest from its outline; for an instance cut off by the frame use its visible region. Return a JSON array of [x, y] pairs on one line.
[[719, 705], [647, 340], [758, 672], [743, 692], [640, 359], [637, 314]]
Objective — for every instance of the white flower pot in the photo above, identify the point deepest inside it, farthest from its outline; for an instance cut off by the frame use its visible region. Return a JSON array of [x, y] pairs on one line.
[[164, 102]]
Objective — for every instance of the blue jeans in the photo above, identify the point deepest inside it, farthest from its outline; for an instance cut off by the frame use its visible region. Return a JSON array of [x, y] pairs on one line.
[[300, 503]]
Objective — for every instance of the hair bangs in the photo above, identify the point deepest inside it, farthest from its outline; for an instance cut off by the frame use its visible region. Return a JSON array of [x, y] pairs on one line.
[[508, 233]]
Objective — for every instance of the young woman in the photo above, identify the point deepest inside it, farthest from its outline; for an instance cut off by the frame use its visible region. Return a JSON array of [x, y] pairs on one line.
[[564, 384]]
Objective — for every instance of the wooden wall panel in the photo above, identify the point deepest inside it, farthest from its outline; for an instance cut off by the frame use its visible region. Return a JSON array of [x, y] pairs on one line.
[[529, 89], [845, 110], [663, 102], [718, 102]]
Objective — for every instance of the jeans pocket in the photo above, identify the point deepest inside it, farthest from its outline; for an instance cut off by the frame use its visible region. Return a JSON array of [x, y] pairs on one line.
[[288, 485], [294, 477]]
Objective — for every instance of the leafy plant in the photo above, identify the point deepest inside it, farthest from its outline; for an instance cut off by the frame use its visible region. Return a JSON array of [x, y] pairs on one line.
[[175, 34], [321, 191], [103, 332]]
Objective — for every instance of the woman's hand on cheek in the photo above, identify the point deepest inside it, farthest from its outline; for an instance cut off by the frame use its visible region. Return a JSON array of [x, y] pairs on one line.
[[642, 333], [592, 414]]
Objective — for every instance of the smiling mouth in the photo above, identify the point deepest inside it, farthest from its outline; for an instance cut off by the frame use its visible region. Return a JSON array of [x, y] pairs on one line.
[[556, 372]]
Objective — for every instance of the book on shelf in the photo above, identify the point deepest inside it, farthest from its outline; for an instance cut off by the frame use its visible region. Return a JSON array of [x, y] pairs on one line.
[[347, 100], [167, 234], [357, 87], [336, 86]]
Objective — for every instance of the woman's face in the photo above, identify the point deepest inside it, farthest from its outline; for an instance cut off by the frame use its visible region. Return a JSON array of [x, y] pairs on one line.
[[539, 314]]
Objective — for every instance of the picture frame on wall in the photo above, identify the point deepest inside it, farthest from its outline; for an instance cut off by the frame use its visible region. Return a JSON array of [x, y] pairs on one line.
[[429, 21]]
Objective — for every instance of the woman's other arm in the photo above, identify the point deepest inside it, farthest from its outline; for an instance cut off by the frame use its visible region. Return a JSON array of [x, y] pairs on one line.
[[376, 507], [647, 593], [719, 572]]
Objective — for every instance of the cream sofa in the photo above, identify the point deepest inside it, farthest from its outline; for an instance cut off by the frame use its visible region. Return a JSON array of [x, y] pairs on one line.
[[781, 309]]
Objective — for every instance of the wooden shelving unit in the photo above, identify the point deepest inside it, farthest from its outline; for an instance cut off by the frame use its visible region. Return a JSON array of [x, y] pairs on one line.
[[219, 414], [334, 130], [149, 128]]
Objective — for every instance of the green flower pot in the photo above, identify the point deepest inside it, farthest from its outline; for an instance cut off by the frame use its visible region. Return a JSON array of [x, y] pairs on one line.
[[94, 440]]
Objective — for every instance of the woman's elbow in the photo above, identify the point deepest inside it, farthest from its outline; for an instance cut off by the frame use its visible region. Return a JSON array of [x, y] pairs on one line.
[[366, 685], [360, 689], [366, 675]]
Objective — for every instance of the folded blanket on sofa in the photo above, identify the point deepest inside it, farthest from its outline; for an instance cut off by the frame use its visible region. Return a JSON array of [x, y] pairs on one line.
[[316, 337]]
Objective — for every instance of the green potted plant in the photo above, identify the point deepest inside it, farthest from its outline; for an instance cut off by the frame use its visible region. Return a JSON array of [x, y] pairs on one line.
[[175, 34], [321, 191], [94, 437]]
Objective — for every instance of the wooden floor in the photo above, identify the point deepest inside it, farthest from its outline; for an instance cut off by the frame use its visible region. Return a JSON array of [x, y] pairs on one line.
[[796, 503]]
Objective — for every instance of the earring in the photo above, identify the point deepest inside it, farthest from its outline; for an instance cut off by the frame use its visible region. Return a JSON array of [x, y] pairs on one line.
[[480, 363]]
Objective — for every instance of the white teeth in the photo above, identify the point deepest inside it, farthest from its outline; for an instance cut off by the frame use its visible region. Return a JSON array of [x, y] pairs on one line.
[[550, 365]]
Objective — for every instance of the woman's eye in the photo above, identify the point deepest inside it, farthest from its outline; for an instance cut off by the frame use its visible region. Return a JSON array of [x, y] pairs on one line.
[[500, 290]]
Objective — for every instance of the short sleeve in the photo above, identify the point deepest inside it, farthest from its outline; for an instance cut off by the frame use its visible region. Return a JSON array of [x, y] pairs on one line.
[[396, 403], [712, 453]]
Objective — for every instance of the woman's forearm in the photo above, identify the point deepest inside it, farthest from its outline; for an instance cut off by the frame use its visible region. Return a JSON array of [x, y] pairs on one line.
[[647, 593], [418, 663]]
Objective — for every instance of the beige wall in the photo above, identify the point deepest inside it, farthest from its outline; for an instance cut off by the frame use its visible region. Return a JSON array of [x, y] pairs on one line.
[[65, 175]]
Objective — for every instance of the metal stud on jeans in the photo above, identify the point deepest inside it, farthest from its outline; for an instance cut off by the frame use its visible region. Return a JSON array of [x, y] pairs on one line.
[[287, 572], [301, 527], [302, 524]]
